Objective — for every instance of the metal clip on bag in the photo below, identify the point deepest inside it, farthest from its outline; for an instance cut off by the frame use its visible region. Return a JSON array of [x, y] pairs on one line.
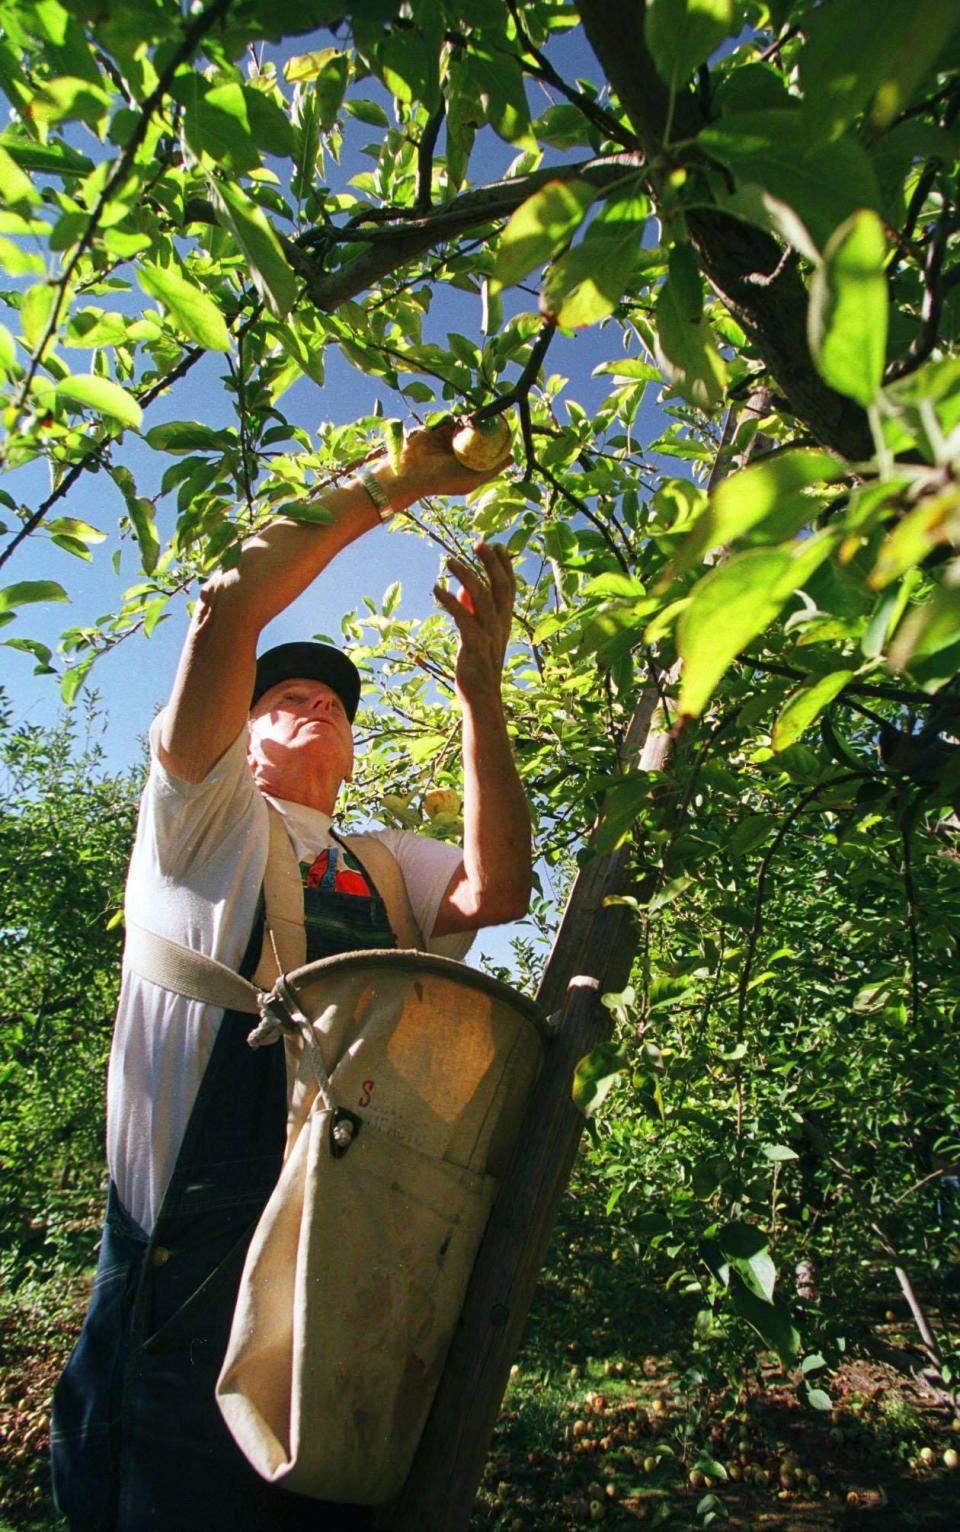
[[357, 1271]]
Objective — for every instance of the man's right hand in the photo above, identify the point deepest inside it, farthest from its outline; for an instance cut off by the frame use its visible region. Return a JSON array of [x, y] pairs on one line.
[[428, 467]]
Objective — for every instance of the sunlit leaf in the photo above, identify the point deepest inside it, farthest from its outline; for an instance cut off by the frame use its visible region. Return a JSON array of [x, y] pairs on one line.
[[16, 188], [269, 267], [847, 325], [27, 591], [190, 308], [103, 395], [804, 707], [731, 605], [595, 1075], [538, 227], [682, 33], [587, 282]]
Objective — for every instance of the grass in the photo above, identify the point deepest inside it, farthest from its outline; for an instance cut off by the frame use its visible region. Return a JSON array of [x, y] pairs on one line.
[[609, 1418]]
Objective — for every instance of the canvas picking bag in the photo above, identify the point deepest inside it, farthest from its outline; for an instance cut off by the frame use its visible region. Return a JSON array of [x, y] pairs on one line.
[[408, 1076], [357, 1270]]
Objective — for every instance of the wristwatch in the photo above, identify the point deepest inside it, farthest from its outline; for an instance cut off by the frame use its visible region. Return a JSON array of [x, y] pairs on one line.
[[377, 493]]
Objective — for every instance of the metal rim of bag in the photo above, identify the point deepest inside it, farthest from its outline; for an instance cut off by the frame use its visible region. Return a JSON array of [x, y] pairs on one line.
[[394, 960]]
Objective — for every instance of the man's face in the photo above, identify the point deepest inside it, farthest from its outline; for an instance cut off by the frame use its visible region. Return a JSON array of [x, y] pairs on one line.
[[301, 724]]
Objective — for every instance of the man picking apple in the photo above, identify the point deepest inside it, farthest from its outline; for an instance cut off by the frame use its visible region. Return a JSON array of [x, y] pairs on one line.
[[196, 1119]]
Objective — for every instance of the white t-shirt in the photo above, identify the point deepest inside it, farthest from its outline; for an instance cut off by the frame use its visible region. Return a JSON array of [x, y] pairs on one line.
[[195, 876]]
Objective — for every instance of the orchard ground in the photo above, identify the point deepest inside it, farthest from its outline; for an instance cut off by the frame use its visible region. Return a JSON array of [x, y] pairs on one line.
[[604, 1421]]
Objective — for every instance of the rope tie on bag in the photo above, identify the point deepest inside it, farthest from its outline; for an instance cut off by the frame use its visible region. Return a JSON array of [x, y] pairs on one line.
[[281, 1016]]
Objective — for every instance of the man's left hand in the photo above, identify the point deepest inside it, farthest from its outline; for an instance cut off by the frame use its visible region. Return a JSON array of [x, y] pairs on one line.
[[482, 610]]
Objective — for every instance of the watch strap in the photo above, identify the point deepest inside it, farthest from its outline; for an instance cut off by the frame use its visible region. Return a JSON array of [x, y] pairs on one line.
[[377, 493]]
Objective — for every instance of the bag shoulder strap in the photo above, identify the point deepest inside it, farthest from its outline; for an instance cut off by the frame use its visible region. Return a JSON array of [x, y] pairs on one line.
[[384, 869], [284, 938], [186, 971]]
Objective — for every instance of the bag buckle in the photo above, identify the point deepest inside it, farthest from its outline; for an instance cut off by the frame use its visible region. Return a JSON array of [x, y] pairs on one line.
[[344, 1127]]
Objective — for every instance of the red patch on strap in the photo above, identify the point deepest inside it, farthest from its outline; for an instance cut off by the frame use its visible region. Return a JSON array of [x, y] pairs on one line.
[[346, 880]]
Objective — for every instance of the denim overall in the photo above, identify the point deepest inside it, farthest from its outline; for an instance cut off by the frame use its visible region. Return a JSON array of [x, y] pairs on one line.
[[138, 1442]]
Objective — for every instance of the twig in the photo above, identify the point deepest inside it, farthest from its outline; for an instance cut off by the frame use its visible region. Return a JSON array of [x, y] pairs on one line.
[[584, 509], [95, 455], [192, 36], [932, 306], [756, 926], [856, 688], [546, 72], [428, 143]]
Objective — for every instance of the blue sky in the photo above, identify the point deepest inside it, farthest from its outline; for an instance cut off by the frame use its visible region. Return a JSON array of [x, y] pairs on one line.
[[134, 679]]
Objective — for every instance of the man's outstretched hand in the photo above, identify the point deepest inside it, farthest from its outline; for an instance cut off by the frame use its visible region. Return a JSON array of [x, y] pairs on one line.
[[482, 609], [428, 467]]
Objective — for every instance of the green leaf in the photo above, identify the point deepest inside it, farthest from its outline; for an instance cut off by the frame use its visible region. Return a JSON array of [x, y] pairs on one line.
[[935, 520], [94, 328], [370, 112], [818, 1398], [586, 283], [927, 643], [36, 306], [685, 347], [681, 34], [500, 85], [804, 707], [27, 591], [671, 890], [47, 159], [538, 227], [595, 1074], [778, 1153], [216, 124], [68, 99], [141, 513], [40, 652], [73, 679], [822, 183], [731, 605], [19, 262], [932, 25], [892, 54], [16, 188], [269, 268], [771, 1322], [102, 395], [708, 1174], [331, 84], [82, 531], [745, 500], [179, 436], [193, 312], [271, 128], [751, 831], [849, 305]]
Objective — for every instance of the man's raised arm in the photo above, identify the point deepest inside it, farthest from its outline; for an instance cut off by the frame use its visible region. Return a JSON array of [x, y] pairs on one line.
[[211, 693], [493, 882]]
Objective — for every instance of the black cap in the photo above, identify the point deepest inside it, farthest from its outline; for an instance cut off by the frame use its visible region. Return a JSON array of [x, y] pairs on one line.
[[313, 662]]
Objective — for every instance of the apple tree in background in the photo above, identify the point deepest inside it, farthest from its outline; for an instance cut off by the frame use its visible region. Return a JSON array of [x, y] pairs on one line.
[[759, 207]]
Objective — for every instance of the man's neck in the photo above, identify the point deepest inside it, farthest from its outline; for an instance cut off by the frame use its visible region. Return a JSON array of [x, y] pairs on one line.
[[312, 794]]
